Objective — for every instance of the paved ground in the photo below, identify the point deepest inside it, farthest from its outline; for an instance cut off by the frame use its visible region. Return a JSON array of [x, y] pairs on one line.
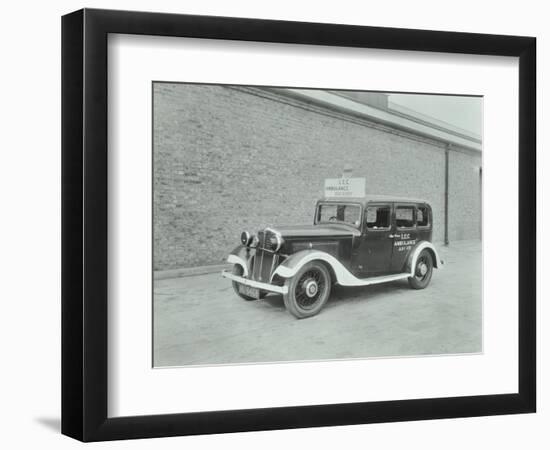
[[200, 320]]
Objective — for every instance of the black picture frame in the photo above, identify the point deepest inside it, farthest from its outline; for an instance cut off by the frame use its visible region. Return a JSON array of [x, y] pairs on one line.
[[84, 224]]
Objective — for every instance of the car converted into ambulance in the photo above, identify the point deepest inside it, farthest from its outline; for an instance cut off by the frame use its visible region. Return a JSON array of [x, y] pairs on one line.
[[353, 241]]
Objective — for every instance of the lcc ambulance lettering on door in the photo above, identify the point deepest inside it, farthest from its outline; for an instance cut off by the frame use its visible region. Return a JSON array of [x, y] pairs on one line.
[[404, 242]]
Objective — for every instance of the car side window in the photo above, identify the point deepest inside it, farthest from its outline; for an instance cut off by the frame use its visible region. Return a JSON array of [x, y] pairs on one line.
[[422, 216], [404, 216], [378, 217]]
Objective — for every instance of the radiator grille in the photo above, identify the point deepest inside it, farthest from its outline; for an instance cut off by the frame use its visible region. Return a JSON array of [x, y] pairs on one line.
[[263, 265], [265, 260]]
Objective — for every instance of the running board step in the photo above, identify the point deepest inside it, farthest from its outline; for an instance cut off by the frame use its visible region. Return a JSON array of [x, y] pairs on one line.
[[376, 280]]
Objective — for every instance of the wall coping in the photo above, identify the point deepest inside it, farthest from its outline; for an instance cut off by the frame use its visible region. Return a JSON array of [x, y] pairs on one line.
[[400, 121]]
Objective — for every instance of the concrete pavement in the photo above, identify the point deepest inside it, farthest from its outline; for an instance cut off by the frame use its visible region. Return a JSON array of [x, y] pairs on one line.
[[199, 320]]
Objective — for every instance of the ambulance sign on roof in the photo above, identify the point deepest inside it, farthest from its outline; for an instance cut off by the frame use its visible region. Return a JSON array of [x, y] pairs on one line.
[[344, 187]]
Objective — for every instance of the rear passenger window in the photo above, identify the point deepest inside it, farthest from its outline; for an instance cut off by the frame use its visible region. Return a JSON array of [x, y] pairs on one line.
[[422, 217], [378, 217], [404, 216]]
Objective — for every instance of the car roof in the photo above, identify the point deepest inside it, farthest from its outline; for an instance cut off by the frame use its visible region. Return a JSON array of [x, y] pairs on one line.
[[372, 198]]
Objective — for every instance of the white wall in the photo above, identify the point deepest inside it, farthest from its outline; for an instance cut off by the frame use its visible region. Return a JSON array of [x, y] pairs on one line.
[[30, 189]]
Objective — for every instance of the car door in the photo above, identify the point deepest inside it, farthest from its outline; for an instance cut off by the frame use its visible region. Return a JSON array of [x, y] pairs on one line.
[[404, 234], [373, 255]]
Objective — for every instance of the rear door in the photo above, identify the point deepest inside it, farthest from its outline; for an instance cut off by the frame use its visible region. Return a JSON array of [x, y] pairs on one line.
[[404, 234], [373, 256]]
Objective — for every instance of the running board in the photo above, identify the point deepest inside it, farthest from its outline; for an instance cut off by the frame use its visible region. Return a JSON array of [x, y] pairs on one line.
[[374, 280]]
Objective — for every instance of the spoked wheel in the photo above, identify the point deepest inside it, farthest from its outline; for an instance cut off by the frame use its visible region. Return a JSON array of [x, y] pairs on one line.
[[422, 271], [238, 270], [308, 290]]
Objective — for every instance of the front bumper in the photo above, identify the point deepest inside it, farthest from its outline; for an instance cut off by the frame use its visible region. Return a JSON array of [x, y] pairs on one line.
[[256, 284]]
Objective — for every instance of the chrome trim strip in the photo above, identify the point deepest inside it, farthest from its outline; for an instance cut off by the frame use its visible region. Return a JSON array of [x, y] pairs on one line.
[[259, 274], [256, 284], [275, 258]]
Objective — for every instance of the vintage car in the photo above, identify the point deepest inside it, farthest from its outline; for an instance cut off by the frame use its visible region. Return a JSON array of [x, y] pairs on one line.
[[354, 241]]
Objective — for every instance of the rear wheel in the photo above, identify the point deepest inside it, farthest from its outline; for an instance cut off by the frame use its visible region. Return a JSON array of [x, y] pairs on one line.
[[238, 270], [308, 290], [422, 271]]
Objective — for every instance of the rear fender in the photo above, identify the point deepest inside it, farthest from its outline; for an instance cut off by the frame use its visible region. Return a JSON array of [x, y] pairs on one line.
[[415, 252]]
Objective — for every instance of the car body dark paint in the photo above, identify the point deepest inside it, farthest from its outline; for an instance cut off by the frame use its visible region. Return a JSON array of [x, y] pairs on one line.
[[338, 246], [335, 239], [364, 251], [377, 240]]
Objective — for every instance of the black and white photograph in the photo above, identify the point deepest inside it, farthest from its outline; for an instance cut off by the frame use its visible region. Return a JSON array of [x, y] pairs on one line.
[[299, 224], [275, 225]]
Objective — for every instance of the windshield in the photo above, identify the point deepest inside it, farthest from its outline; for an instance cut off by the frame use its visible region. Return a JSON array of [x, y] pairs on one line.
[[339, 213]]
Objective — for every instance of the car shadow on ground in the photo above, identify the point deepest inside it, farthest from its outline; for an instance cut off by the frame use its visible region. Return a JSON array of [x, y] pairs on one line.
[[344, 294], [274, 300]]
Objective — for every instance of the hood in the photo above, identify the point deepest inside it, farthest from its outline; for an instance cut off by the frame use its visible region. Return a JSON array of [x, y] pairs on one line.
[[317, 230]]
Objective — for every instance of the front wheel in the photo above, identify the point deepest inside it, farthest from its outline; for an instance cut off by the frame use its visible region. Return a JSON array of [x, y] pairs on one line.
[[308, 290], [422, 271]]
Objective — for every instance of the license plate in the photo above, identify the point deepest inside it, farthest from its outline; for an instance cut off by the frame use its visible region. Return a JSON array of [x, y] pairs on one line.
[[249, 291]]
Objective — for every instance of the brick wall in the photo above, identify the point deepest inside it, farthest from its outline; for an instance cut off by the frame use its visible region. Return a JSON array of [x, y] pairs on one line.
[[228, 159]]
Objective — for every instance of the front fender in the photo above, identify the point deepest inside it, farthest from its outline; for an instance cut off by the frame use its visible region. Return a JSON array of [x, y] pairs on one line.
[[241, 255], [290, 266]]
